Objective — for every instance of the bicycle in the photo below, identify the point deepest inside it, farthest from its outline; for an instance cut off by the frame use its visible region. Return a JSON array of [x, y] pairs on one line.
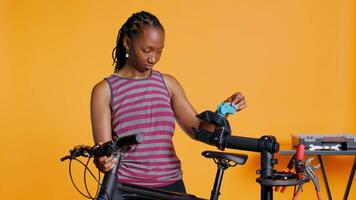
[[267, 146]]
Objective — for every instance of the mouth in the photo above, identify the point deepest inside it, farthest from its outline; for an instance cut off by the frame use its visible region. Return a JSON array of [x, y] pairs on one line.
[[148, 66]]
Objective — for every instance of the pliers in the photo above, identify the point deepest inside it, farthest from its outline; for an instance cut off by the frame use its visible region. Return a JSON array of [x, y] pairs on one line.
[[310, 173], [310, 170]]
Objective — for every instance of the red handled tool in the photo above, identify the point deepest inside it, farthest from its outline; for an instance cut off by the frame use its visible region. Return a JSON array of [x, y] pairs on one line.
[[297, 161], [299, 167]]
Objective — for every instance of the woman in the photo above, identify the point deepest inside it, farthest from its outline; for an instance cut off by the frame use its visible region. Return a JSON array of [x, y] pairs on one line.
[[138, 99]]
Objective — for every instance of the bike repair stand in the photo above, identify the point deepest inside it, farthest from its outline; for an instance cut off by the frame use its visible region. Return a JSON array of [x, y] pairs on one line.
[[266, 146]]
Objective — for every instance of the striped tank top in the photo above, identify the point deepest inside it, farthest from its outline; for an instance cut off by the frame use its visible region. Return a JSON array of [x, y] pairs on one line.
[[144, 106]]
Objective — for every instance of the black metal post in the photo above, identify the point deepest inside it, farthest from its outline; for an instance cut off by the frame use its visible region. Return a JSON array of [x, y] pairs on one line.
[[268, 146], [218, 179], [266, 172]]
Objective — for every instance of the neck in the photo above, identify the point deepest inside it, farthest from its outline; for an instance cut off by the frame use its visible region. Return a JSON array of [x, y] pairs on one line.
[[131, 72]]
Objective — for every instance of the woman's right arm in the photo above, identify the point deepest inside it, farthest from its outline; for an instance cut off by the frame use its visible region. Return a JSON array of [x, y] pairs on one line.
[[101, 121], [100, 113]]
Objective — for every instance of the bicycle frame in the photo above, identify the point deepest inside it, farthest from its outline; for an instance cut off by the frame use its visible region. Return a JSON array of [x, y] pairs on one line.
[[221, 138]]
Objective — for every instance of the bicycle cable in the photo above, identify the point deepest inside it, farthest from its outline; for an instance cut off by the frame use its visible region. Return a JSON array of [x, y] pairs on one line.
[[71, 177], [88, 196], [85, 178]]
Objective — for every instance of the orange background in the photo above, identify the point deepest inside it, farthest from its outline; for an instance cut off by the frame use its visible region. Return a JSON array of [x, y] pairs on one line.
[[293, 60]]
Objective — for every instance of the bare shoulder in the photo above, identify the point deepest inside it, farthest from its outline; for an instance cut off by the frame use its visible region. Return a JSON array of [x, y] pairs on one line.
[[173, 85], [101, 89], [170, 80]]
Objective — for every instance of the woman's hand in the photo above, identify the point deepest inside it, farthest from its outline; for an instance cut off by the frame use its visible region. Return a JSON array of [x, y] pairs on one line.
[[104, 164], [237, 100]]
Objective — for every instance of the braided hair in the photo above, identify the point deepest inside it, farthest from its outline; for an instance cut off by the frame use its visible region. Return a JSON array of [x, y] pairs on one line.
[[132, 27]]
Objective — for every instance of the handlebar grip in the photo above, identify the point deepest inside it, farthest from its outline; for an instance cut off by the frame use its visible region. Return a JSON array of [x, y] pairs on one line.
[[129, 140], [232, 142], [243, 143], [265, 143], [108, 148]]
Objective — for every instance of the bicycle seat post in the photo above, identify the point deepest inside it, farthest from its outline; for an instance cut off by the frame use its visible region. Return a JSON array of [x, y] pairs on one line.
[[223, 161], [222, 165]]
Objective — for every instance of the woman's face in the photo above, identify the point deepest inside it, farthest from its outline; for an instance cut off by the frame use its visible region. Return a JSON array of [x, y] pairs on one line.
[[145, 49]]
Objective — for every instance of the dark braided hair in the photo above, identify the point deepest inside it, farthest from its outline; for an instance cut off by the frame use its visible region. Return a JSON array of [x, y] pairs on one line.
[[132, 27]]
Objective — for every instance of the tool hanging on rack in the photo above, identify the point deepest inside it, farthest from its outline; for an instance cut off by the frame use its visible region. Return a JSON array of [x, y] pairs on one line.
[[310, 172], [295, 162]]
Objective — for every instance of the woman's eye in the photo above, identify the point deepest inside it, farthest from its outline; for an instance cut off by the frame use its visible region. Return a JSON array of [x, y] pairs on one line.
[[146, 51]]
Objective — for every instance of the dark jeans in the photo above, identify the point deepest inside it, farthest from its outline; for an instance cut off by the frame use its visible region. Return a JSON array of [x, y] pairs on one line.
[[177, 186]]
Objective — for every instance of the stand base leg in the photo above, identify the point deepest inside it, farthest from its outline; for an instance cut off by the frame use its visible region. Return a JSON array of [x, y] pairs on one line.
[[351, 178], [324, 177], [266, 193]]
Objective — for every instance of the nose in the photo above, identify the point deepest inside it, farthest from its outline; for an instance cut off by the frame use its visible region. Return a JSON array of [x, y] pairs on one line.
[[152, 59]]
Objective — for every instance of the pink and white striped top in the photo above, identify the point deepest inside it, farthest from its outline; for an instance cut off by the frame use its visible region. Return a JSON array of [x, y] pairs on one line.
[[144, 106]]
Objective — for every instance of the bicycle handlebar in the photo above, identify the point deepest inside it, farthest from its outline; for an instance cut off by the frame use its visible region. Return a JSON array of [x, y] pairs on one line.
[[105, 149], [267, 143]]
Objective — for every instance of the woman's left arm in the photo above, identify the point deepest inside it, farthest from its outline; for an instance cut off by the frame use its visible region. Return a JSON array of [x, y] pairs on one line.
[[184, 111]]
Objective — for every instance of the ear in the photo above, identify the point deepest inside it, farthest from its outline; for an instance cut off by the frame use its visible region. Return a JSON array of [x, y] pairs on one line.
[[126, 42]]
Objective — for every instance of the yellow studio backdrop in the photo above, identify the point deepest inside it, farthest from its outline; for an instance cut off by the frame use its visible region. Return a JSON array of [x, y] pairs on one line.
[[293, 60]]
